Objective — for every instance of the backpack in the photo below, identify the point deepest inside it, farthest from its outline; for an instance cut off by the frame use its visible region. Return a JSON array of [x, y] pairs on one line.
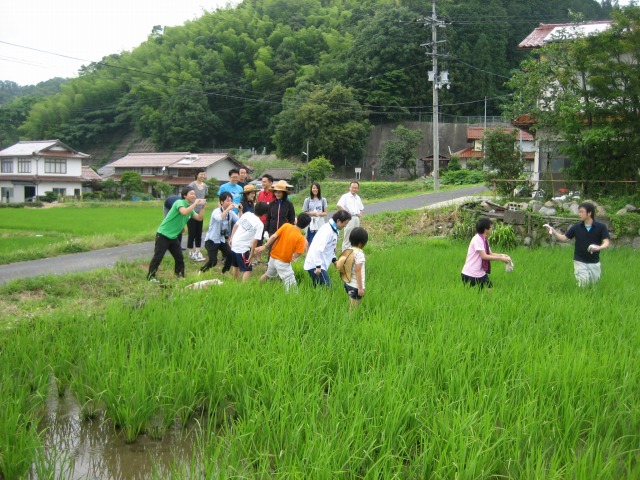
[[344, 264]]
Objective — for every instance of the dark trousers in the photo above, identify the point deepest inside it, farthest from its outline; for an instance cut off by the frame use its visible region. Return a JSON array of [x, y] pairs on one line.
[[162, 245], [195, 232], [212, 251]]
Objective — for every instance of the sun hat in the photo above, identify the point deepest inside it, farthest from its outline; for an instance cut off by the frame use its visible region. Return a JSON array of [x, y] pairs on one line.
[[344, 264], [281, 186], [250, 187]]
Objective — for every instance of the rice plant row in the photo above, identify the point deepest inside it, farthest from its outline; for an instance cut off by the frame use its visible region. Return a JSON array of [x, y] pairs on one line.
[[428, 379]]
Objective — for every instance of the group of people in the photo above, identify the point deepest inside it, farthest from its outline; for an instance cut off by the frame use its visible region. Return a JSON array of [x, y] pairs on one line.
[[590, 236], [248, 223]]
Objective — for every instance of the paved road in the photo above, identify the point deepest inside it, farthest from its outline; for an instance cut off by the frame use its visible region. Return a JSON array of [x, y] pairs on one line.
[[79, 262]]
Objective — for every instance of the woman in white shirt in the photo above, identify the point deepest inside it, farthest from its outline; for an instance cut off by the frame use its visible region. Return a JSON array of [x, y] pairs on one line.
[[316, 206]]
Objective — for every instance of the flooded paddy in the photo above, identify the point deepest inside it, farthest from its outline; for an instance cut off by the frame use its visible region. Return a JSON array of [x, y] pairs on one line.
[[95, 448]]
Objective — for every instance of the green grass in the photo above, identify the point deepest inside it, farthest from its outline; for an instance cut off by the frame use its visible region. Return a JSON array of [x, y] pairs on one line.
[[28, 234], [372, 192], [427, 379]]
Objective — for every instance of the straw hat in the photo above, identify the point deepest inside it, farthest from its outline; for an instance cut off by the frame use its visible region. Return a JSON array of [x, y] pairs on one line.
[[344, 264], [249, 187], [281, 186]]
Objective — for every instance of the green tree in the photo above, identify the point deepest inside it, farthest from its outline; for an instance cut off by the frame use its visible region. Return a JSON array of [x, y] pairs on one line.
[[585, 93], [503, 160], [401, 153], [163, 188], [317, 170], [131, 182], [327, 115]]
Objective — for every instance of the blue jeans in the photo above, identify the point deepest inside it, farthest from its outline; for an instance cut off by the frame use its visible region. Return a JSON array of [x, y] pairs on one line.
[[322, 279]]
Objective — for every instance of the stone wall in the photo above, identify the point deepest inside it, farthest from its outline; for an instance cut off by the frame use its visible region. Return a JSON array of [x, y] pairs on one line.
[[528, 218]]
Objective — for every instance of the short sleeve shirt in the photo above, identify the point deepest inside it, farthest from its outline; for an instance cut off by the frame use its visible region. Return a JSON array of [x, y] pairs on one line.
[[358, 259], [473, 264], [174, 222], [584, 238], [249, 228], [290, 240]]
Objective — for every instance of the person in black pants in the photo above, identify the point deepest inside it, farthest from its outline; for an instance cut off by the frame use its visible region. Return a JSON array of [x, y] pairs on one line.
[[171, 227], [217, 237]]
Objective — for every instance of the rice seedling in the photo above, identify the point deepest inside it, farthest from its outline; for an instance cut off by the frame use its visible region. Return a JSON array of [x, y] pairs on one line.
[[428, 379]]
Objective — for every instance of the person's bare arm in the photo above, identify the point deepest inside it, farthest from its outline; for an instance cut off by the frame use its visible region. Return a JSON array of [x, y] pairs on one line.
[[359, 279], [556, 233]]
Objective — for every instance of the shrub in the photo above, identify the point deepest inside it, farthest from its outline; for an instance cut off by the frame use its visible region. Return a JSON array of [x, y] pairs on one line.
[[461, 177], [503, 237]]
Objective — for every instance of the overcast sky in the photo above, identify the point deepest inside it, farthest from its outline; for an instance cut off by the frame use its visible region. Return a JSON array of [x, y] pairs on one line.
[[83, 29]]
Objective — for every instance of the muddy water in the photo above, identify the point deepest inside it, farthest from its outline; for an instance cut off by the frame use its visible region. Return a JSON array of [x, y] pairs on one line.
[[93, 449]]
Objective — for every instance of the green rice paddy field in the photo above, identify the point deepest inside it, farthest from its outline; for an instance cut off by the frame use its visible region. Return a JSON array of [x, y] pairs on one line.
[[427, 379]]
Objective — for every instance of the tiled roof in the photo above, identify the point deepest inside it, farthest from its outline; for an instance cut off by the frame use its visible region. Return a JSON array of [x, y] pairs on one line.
[[468, 153], [476, 133], [551, 32], [41, 148], [89, 175], [42, 178], [169, 159], [471, 153]]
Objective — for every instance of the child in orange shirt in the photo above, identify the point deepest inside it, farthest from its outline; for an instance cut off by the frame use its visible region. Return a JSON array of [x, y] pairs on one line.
[[286, 245]]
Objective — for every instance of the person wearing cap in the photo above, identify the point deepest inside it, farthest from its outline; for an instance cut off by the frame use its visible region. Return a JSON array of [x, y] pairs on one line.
[[233, 188], [244, 240], [281, 210], [248, 198], [286, 245], [322, 251], [352, 203]]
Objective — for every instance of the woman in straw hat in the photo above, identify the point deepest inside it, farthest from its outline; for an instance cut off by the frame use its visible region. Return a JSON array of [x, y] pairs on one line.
[[248, 198], [281, 210]]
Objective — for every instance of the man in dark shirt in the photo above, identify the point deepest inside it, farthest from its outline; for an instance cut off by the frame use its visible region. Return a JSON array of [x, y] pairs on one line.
[[590, 237]]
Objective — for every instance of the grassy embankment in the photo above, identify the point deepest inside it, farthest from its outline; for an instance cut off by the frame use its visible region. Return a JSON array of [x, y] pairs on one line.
[[537, 379]]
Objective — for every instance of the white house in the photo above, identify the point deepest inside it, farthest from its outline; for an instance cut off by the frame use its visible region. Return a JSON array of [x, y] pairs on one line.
[[549, 161], [175, 168], [31, 168]]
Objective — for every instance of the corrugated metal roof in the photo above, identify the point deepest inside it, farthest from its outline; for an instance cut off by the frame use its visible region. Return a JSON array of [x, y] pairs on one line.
[[551, 32], [41, 148]]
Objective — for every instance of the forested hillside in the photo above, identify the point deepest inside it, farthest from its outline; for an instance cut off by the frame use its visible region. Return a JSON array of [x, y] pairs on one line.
[[274, 73]]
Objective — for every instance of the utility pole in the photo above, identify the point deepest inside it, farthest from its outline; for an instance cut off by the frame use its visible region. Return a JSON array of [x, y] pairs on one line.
[[439, 80], [307, 155]]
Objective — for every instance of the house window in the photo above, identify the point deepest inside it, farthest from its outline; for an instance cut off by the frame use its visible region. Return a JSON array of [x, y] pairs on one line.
[[60, 192], [24, 166], [7, 166], [148, 171], [55, 166]]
